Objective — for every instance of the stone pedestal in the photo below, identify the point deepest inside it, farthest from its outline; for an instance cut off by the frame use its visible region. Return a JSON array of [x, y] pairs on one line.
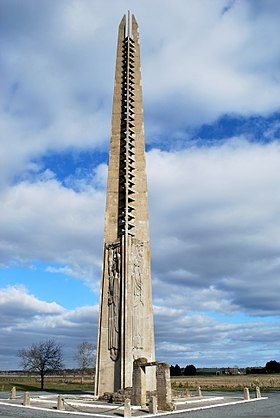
[[26, 399], [153, 405], [246, 394], [127, 409], [139, 382], [60, 403], [258, 392], [164, 395], [13, 394]]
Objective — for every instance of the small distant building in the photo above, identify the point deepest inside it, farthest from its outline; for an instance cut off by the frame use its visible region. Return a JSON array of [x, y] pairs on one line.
[[211, 371], [219, 371], [232, 371]]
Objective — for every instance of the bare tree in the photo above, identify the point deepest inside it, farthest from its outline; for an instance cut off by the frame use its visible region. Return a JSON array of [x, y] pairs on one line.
[[43, 357], [85, 356]]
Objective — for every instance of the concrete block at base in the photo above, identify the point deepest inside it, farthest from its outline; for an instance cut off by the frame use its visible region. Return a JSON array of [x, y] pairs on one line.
[[198, 391], [60, 403], [139, 396], [246, 394], [26, 399], [164, 396], [153, 405], [127, 409], [13, 394]]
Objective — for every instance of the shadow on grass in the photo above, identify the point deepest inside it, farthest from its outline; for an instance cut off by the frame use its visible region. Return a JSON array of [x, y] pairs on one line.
[[24, 388], [21, 387], [69, 391]]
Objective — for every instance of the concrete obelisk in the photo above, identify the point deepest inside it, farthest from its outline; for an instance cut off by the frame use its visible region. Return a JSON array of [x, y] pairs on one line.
[[126, 330]]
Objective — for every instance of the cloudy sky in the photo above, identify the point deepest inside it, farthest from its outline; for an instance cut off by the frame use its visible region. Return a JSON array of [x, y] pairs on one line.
[[211, 85]]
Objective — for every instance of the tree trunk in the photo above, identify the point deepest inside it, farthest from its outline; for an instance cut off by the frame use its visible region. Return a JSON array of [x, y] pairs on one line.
[[42, 381]]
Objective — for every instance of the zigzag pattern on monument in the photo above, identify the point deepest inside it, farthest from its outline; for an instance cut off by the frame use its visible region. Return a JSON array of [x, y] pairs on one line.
[[127, 146]]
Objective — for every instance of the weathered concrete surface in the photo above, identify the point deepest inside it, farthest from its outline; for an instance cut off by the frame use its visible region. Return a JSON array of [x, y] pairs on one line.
[[139, 382], [164, 395], [126, 330]]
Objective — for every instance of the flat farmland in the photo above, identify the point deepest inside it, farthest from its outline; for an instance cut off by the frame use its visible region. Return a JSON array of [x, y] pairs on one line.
[[226, 382], [65, 382], [266, 382]]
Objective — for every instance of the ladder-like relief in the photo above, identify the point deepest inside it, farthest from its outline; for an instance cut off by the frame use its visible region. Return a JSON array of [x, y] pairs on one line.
[[126, 215]]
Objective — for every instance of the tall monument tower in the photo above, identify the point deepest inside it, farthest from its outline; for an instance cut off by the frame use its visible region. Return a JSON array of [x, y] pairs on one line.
[[126, 330]]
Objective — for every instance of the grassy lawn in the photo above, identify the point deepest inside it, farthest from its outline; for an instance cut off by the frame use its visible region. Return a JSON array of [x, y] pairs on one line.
[[51, 385]]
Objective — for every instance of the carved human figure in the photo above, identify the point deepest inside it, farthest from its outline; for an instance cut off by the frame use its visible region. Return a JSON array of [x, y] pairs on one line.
[[114, 268], [137, 280]]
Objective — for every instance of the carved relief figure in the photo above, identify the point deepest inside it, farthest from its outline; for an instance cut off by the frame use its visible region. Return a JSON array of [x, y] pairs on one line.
[[138, 304], [114, 274]]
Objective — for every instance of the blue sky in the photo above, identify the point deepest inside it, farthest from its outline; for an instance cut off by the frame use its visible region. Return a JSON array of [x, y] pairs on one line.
[[211, 86]]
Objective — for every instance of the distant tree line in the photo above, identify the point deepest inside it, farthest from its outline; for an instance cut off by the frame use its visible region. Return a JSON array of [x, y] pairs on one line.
[[271, 366], [189, 370]]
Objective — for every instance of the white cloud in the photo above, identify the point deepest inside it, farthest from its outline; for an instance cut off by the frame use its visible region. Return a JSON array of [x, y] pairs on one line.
[[204, 341], [210, 63], [215, 226], [180, 338], [46, 221], [214, 212], [26, 304], [57, 69], [26, 319]]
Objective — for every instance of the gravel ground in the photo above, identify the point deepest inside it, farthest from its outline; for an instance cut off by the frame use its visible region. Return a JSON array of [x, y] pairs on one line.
[[269, 408]]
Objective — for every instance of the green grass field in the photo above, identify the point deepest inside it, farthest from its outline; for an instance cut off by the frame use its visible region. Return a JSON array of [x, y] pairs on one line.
[[56, 384]]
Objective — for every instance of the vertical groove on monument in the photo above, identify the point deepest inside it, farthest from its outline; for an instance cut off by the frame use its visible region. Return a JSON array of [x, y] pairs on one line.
[[126, 330]]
